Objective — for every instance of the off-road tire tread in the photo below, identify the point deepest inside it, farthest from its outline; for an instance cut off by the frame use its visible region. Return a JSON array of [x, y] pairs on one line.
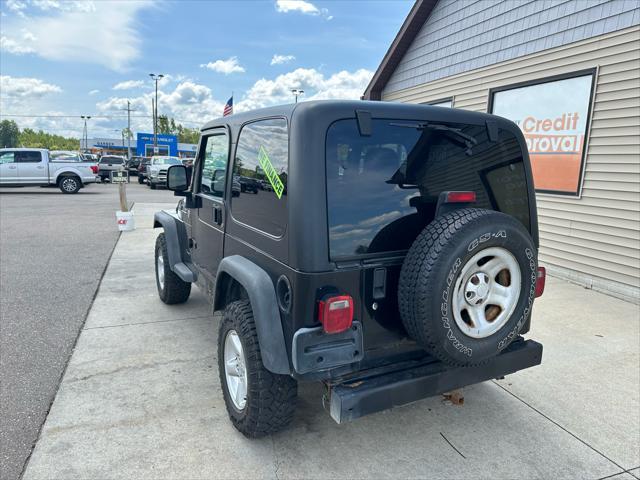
[[271, 398], [417, 267], [175, 289]]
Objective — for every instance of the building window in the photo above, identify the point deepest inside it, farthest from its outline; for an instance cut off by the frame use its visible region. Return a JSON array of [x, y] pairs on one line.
[[260, 173], [554, 116], [443, 102]]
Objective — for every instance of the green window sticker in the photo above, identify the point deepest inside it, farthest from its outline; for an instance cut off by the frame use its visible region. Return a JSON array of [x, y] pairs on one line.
[[270, 172]]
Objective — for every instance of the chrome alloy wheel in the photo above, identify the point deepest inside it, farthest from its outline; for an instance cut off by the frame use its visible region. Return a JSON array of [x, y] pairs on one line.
[[486, 292], [235, 370], [160, 268], [69, 184]]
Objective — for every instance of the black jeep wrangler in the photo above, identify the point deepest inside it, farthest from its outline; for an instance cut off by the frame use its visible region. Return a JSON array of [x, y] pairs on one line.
[[393, 258]]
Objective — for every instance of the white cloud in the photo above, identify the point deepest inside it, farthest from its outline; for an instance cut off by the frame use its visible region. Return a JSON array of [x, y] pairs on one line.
[[342, 85], [105, 33], [281, 59], [67, 5], [190, 103], [128, 85], [301, 6], [16, 6], [23, 95], [227, 66], [24, 87], [18, 47], [94, 92]]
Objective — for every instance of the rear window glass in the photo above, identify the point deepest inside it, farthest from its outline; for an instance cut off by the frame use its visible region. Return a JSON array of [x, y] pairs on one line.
[[382, 190], [65, 157], [111, 160]]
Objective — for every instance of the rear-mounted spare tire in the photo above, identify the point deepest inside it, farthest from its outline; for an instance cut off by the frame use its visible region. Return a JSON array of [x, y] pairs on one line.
[[467, 285]]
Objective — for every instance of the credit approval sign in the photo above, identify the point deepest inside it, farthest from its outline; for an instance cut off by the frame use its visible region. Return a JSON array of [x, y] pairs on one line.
[[553, 117]]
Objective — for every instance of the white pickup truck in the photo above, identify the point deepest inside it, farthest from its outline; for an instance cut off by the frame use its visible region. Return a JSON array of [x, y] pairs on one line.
[[23, 167]]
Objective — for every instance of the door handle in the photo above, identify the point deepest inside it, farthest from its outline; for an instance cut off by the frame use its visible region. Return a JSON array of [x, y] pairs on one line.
[[40, 167], [217, 215], [12, 167]]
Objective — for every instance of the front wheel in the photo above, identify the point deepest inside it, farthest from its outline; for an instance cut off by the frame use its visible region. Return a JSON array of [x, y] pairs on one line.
[[70, 185], [140, 179], [259, 402], [171, 288], [152, 185]]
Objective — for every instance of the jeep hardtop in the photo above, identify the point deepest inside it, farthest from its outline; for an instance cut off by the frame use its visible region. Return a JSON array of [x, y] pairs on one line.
[[392, 257]]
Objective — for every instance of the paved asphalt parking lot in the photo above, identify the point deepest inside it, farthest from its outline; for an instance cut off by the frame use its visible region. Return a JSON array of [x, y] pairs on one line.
[[53, 251], [141, 399]]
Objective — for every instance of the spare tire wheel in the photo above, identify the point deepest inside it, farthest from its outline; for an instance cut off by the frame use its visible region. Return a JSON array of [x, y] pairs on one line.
[[467, 285]]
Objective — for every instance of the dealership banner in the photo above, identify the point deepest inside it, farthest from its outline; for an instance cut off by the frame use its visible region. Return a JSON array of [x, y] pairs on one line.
[[553, 117]]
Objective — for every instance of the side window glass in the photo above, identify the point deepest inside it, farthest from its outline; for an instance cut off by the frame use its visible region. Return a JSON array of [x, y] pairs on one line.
[[260, 172], [214, 165], [6, 157], [28, 157]]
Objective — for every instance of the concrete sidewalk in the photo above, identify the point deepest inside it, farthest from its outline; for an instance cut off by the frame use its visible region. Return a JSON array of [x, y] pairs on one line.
[[141, 398]]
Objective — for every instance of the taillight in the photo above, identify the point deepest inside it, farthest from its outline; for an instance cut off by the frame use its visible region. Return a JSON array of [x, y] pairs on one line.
[[336, 313], [94, 169], [541, 280], [461, 197]]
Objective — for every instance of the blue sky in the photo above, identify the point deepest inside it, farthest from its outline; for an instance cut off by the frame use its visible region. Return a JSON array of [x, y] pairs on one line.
[[88, 57]]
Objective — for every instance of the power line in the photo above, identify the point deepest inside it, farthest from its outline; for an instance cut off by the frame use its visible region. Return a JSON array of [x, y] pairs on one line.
[[108, 117], [69, 116]]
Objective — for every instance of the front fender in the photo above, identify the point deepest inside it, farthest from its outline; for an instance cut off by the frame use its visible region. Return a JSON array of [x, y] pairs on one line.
[[176, 238], [266, 314]]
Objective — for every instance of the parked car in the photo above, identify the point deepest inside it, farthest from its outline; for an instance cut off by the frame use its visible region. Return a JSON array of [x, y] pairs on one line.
[[265, 185], [133, 164], [91, 157], [142, 169], [236, 188], [110, 163], [157, 170], [22, 167], [402, 262], [248, 184]]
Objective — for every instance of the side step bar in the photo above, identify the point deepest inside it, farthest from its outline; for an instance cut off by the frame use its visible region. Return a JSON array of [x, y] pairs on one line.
[[361, 396]]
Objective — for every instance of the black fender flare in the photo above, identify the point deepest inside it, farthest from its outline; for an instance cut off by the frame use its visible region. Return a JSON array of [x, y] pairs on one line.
[[176, 239], [262, 296]]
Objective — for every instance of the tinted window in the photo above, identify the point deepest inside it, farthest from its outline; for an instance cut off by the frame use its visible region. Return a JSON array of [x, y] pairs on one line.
[[382, 190], [262, 157], [111, 160], [28, 157], [6, 157], [214, 165], [65, 157]]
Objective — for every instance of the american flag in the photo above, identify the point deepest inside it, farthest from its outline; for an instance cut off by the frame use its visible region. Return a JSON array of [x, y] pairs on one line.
[[228, 108]]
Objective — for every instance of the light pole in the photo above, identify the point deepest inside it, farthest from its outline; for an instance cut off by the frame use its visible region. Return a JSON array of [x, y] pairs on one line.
[[297, 92], [155, 78], [85, 134], [122, 134]]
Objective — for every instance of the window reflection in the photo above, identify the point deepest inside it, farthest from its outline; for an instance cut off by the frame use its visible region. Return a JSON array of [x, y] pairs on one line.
[[260, 176], [214, 165], [383, 189]]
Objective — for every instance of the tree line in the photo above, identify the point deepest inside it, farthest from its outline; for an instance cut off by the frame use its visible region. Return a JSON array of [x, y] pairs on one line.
[[11, 136]]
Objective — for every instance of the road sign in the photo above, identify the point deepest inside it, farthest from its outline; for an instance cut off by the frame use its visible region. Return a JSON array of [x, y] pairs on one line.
[[119, 176]]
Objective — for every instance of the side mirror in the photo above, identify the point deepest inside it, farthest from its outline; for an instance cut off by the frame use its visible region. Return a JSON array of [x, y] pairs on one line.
[[177, 178]]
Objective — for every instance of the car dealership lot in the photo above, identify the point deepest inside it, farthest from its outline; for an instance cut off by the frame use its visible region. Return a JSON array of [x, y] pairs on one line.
[[141, 398], [53, 251]]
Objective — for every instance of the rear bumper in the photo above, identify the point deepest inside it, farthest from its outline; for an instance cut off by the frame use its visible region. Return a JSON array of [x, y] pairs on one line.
[[400, 384]]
